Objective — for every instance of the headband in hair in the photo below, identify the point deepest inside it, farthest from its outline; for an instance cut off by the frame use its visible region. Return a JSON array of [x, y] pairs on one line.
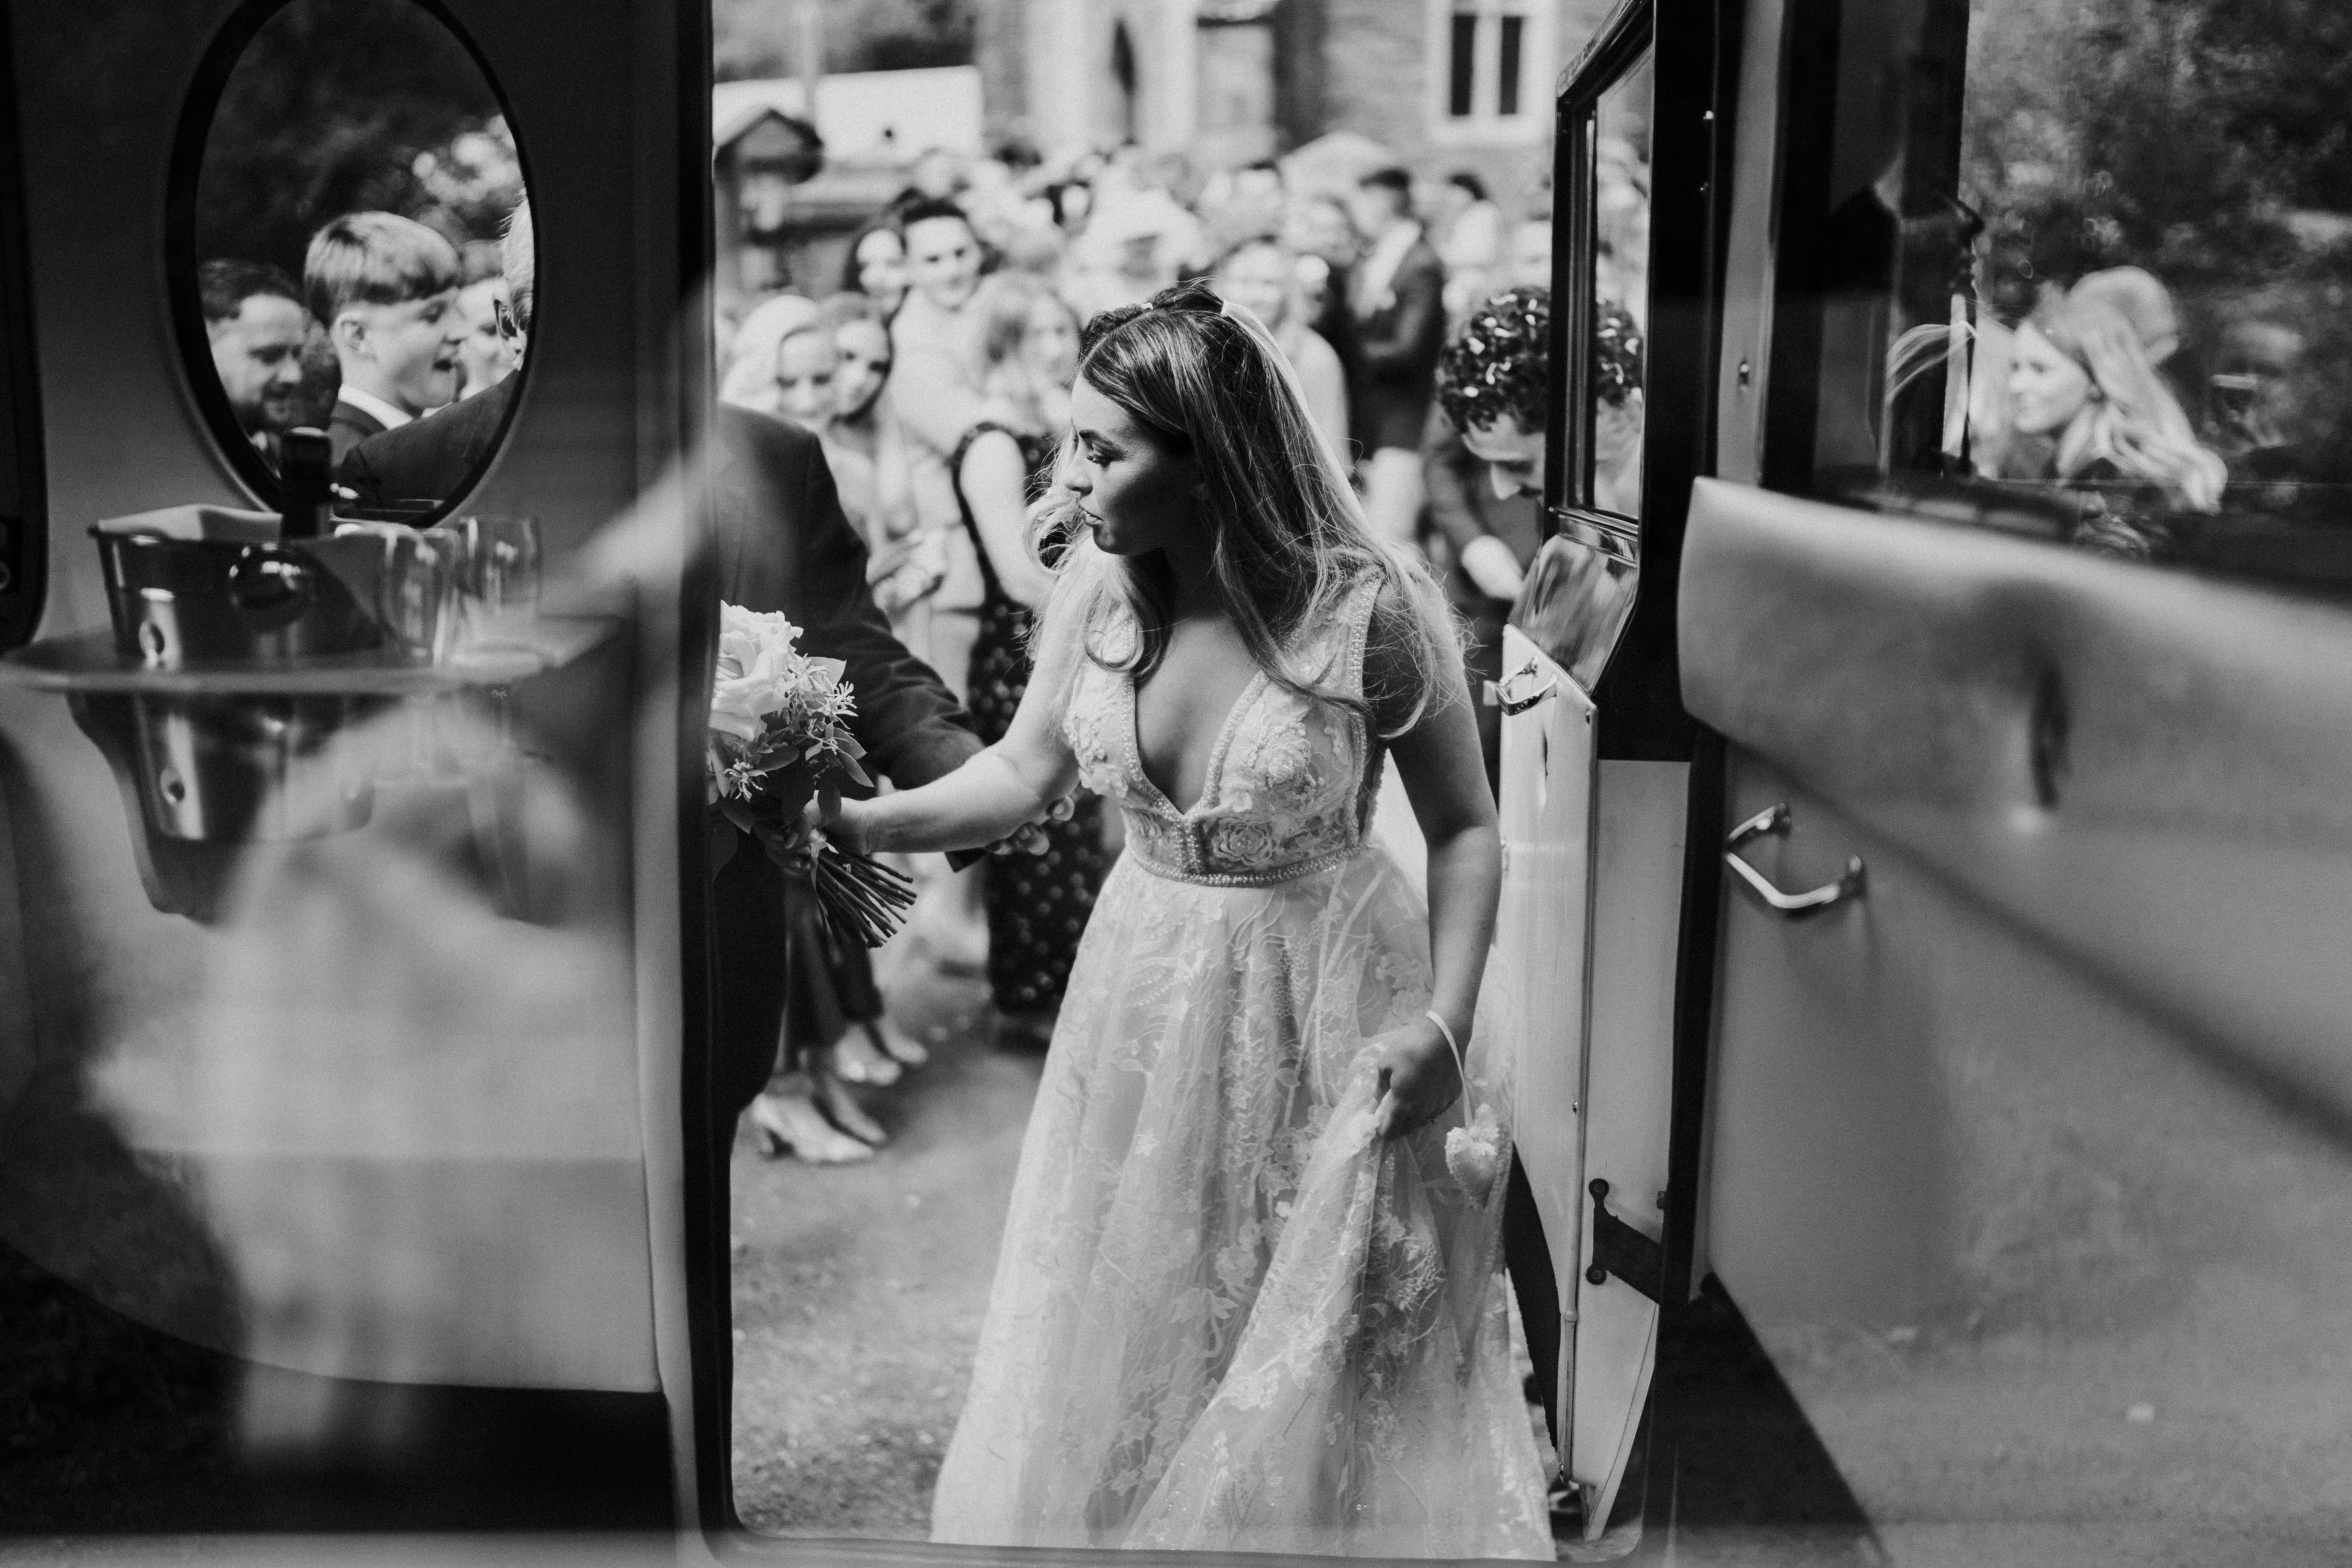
[[1192, 298]]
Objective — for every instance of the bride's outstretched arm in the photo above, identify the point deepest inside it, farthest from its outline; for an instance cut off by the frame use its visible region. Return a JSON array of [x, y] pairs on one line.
[[992, 796], [1006, 786], [1444, 777]]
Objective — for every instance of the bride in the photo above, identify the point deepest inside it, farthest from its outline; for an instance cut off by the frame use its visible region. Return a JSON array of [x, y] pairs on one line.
[[1249, 1296]]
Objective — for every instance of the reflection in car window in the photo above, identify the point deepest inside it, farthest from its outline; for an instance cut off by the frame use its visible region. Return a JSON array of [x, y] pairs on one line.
[[2080, 271], [1621, 288]]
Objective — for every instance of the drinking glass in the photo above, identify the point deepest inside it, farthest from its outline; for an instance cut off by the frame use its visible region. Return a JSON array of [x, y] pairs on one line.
[[498, 576], [417, 595]]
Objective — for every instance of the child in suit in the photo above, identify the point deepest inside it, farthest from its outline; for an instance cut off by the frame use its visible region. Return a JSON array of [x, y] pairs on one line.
[[386, 287]]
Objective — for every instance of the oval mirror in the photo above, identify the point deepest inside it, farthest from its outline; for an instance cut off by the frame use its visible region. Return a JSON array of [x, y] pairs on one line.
[[346, 253]]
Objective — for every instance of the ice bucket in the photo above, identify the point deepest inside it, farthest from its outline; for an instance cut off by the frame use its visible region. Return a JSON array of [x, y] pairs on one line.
[[207, 588], [232, 594]]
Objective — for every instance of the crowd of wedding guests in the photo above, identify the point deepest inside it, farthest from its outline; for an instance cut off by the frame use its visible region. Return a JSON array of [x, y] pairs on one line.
[[936, 372], [389, 322]]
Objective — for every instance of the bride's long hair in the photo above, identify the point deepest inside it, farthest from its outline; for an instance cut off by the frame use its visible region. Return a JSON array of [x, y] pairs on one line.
[[1291, 541]]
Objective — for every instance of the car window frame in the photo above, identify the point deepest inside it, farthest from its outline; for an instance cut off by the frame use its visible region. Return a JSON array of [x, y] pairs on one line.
[[1616, 52]]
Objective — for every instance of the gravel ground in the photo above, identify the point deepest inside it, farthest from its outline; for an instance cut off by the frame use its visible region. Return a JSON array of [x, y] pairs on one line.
[[859, 1289]]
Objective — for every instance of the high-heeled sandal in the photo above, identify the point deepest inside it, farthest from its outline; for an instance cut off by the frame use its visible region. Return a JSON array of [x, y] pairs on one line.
[[791, 1123], [897, 1044], [857, 1059], [841, 1107]]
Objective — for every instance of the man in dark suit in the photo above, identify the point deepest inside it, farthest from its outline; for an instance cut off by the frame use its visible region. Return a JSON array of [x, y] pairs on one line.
[[782, 544], [1397, 298]]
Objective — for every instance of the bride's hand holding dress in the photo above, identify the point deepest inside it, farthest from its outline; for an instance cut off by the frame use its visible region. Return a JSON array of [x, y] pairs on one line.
[[1416, 1076]]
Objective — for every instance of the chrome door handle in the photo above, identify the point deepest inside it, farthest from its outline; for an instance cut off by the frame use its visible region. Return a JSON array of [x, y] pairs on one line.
[[1789, 906], [1500, 692]]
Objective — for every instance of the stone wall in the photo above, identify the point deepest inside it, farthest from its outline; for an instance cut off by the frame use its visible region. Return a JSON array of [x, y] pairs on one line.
[[1378, 80], [1363, 66], [999, 47], [1376, 72]]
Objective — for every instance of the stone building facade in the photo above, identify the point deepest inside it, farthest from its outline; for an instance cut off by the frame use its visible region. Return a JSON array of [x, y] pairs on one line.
[[1445, 84]]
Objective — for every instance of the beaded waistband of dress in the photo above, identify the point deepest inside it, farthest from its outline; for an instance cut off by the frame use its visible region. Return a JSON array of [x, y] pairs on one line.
[[1272, 877]]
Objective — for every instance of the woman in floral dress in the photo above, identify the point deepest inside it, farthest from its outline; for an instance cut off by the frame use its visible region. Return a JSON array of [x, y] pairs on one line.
[[1250, 1296]]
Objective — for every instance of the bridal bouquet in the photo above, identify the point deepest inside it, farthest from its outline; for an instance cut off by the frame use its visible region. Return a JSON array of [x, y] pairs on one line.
[[780, 732]]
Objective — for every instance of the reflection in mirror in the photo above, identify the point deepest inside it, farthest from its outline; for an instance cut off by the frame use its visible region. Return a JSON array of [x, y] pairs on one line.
[[1621, 288], [357, 177]]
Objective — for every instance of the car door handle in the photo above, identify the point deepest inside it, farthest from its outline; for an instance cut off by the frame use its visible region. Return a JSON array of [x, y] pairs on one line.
[[1500, 692], [1789, 906]]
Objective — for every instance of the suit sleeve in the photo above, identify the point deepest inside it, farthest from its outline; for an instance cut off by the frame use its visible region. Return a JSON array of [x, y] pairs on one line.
[[1415, 338], [358, 474], [911, 726]]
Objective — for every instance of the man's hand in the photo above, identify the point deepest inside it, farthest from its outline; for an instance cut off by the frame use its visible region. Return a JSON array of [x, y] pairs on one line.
[[1489, 563]]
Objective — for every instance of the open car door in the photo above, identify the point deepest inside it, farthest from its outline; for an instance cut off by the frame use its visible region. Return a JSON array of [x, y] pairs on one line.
[[2027, 1147], [1596, 748]]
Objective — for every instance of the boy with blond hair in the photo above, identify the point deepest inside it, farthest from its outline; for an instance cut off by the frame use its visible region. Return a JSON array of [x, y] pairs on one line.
[[386, 287]]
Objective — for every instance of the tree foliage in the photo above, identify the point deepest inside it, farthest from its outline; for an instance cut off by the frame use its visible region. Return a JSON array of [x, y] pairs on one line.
[[762, 38], [2185, 136], [339, 106]]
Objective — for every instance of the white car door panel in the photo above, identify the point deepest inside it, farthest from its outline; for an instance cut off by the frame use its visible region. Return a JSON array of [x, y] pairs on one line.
[[1541, 937], [2028, 1165]]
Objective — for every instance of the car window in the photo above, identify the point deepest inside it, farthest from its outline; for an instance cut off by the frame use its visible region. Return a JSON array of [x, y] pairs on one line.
[[1618, 332], [2081, 271]]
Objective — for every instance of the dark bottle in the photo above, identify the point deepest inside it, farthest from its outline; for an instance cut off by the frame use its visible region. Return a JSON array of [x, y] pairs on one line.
[[307, 489]]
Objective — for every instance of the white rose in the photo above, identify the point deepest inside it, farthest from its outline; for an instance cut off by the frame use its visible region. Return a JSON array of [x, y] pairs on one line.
[[754, 673], [766, 628]]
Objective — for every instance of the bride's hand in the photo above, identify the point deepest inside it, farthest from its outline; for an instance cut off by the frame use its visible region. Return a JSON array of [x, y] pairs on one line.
[[840, 821], [1029, 839], [1418, 1079]]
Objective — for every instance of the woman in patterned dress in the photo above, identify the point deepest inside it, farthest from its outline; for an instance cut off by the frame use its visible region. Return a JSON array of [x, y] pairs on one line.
[[1037, 905]]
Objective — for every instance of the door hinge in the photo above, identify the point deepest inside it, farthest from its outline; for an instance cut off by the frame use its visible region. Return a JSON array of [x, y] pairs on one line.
[[1618, 1248]]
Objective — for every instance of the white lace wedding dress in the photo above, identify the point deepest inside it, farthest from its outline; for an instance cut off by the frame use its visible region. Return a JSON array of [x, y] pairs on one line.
[[1226, 1316]]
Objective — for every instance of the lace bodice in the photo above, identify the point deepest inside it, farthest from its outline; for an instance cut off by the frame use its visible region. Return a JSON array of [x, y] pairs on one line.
[[1290, 784]]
